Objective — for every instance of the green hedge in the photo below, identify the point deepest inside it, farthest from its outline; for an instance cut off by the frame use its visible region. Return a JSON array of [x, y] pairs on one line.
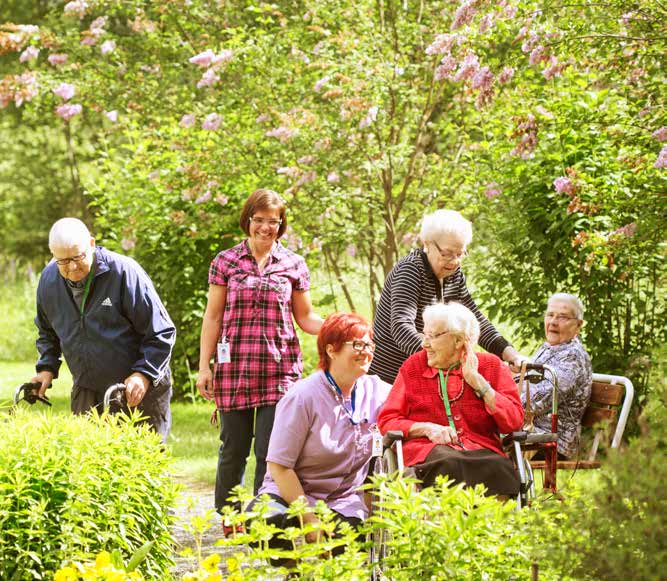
[[71, 487]]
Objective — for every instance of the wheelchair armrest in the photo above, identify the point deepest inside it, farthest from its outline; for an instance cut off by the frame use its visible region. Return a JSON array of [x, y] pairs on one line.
[[520, 436], [524, 437], [390, 437]]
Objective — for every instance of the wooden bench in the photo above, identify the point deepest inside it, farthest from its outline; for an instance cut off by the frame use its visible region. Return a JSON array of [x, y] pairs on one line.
[[611, 399]]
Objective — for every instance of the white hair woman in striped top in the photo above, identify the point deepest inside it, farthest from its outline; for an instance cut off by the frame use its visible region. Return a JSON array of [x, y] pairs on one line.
[[426, 276]]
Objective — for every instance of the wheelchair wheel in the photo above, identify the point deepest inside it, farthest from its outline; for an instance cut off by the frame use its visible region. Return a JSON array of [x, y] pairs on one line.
[[377, 539], [527, 489]]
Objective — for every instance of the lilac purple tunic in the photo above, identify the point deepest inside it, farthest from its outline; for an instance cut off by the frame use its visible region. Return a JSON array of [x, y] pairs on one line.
[[313, 434]]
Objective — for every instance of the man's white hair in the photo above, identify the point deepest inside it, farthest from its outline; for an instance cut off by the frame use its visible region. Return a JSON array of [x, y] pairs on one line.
[[573, 301], [68, 232], [455, 317], [443, 223]]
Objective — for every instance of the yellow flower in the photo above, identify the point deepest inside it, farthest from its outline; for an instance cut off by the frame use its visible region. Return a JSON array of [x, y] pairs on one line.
[[210, 564], [102, 560], [232, 564], [66, 574]]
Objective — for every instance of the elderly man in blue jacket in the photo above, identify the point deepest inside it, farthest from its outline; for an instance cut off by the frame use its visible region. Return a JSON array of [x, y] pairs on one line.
[[101, 311]]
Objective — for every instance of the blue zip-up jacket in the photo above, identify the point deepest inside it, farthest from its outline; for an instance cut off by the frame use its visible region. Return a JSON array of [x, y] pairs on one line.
[[124, 327]]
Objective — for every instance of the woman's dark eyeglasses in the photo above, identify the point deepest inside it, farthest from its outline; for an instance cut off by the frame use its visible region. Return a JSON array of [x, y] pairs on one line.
[[359, 345]]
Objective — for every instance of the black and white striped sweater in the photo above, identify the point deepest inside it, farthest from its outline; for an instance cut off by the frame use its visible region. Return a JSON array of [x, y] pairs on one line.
[[410, 287]]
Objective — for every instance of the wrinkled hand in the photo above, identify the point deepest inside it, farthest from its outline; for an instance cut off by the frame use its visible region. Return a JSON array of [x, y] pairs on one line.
[[44, 378], [514, 358], [440, 434], [136, 387], [470, 366], [205, 383]]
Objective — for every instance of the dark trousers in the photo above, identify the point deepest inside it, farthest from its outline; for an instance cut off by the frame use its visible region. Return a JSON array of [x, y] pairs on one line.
[[155, 405], [236, 433], [278, 516]]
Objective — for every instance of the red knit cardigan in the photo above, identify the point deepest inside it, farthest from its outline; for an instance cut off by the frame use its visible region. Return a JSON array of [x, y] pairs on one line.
[[415, 397]]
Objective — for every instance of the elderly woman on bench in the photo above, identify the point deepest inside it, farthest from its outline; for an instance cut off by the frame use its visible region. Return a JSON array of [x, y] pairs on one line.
[[452, 404], [563, 351]]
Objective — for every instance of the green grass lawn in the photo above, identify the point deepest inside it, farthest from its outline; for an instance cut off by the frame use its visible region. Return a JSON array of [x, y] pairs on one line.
[[193, 440]]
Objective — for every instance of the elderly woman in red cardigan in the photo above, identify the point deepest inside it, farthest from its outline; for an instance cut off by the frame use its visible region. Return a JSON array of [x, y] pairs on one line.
[[452, 404]]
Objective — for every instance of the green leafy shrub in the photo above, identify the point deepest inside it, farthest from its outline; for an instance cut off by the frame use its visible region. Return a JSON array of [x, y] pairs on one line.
[[442, 532], [71, 487], [616, 530]]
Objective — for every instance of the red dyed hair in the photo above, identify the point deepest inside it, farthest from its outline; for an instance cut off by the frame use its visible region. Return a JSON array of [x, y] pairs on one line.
[[336, 330]]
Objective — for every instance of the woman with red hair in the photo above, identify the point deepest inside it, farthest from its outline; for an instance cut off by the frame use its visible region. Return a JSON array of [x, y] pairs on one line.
[[320, 446]]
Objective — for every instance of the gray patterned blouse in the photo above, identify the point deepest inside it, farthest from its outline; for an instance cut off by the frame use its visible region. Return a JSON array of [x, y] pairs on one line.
[[575, 376]]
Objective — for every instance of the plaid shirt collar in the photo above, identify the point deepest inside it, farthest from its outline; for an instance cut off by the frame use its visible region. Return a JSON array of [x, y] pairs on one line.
[[276, 252]]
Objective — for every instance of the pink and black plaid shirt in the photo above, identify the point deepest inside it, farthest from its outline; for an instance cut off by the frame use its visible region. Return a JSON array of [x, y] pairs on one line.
[[257, 322]]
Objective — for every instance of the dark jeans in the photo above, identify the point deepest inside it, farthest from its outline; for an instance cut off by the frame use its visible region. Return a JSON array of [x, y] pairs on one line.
[[155, 405], [236, 433], [279, 518]]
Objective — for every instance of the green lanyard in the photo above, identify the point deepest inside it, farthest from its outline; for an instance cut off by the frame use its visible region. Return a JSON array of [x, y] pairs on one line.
[[88, 283], [445, 397]]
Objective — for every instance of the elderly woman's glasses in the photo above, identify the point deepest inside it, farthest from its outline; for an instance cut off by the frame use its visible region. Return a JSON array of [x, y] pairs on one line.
[[431, 336], [268, 221], [359, 345], [558, 317], [77, 259], [448, 254]]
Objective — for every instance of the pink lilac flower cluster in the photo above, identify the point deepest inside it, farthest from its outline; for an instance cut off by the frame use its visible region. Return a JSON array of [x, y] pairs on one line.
[[319, 85], [18, 88], [205, 197], [76, 7], [505, 75], [282, 133], [661, 162], [128, 244], [306, 160], [291, 172], [111, 115], [351, 250], [526, 132], [263, 118], [188, 120], [482, 81], [443, 44], [95, 31], [660, 134], [464, 14], [467, 67], [108, 46], [211, 62], [563, 185], [212, 122], [29, 54], [68, 110], [370, 118], [333, 178], [628, 230], [65, 91], [554, 69], [492, 190], [57, 59], [487, 22]]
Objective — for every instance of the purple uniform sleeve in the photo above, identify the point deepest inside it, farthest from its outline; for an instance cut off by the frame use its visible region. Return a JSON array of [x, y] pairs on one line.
[[290, 429]]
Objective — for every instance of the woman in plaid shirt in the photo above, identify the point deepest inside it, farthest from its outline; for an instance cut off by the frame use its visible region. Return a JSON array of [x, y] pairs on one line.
[[255, 288]]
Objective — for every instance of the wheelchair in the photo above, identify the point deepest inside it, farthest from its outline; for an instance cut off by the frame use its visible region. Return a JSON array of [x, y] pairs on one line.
[[524, 443]]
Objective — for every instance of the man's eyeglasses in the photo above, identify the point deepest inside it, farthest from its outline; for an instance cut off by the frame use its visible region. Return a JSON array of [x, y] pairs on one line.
[[448, 254], [358, 345], [558, 317], [268, 221], [77, 259]]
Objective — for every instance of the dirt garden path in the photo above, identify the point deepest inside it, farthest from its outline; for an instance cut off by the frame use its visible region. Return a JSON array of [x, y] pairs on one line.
[[195, 499]]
